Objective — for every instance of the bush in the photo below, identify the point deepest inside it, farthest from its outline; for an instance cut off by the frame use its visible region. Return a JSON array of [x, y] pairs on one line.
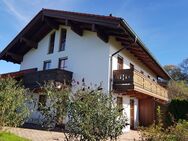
[[157, 132], [55, 110], [92, 115], [178, 109], [13, 108]]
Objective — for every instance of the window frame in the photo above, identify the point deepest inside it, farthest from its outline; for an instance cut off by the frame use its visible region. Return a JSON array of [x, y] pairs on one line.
[[51, 43], [119, 103], [42, 101], [59, 63], [63, 30], [44, 64], [119, 57]]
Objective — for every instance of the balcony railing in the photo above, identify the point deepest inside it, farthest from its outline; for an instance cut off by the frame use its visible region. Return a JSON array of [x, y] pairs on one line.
[[37, 78], [129, 79]]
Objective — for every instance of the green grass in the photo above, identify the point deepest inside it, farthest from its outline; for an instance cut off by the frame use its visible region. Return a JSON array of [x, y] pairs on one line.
[[5, 136]]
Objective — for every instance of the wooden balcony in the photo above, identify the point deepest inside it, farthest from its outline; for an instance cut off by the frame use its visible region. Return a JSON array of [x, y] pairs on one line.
[[132, 80], [37, 78]]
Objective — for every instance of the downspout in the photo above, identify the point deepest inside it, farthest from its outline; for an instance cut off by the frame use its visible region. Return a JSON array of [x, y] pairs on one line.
[[111, 59]]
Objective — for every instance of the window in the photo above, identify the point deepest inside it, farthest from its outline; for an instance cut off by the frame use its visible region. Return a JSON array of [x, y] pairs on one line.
[[51, 44], [42, 101], [47, 65], [131, 66], [62, 63], [119, 62], [62, 40], [120, 103], [148, 76]]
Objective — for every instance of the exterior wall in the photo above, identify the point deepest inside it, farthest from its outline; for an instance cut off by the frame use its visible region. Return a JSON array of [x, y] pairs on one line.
[[88, 57], [128, 58]]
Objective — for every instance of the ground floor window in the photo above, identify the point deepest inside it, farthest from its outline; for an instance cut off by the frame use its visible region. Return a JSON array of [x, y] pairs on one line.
[[120, 104], [42, 101]]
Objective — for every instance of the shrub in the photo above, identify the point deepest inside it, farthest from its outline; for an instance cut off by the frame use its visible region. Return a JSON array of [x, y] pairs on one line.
[[13, 108], [178, 109], [55, 110], [93, 116], [157, 132]]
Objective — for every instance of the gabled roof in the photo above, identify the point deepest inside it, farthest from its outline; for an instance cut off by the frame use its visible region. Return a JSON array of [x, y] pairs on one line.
[[105, 26]]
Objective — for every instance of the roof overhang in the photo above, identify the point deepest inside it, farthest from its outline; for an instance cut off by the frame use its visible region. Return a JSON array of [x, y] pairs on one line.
[[105, 26]]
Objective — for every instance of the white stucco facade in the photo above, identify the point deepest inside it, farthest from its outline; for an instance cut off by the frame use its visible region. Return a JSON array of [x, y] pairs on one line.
[[88, 58]]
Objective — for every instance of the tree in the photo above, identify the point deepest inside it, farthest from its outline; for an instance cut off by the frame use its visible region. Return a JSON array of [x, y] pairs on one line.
[[175, 72], [13, 108], [177, 90], [184, 68]]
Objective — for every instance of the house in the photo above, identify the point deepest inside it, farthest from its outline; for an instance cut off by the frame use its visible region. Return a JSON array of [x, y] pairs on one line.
[[104, 50]]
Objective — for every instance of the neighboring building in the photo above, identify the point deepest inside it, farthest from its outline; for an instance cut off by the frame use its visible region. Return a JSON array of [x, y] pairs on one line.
[[61, 46]]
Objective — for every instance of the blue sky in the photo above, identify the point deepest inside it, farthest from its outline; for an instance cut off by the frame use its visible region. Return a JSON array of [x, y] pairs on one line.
[[162, 25]]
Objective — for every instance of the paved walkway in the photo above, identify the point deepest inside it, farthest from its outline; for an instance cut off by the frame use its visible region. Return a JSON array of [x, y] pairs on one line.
[[39, 135]]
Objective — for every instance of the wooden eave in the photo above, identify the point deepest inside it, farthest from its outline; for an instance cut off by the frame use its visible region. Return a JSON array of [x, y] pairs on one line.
[[105, 26]]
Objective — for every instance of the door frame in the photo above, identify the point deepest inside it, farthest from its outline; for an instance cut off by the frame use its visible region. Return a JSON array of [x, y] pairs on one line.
[[132, 113]]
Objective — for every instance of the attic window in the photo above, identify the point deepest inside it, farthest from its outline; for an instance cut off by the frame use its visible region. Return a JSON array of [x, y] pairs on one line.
[[62, 40], [51, 44]]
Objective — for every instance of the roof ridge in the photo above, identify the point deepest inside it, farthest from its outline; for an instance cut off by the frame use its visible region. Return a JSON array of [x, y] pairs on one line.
[[83, 14]]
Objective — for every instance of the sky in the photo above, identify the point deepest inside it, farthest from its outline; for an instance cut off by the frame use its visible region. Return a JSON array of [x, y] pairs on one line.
[[161, 24]]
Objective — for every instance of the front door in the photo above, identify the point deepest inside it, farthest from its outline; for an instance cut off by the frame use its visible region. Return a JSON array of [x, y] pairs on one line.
[[132, 113]]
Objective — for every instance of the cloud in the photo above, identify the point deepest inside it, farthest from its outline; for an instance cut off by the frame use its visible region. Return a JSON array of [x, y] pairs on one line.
[[15, 12]]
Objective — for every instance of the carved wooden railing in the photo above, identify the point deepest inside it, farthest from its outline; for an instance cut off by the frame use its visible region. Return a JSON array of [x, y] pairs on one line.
[[129, 79], [35, 79]]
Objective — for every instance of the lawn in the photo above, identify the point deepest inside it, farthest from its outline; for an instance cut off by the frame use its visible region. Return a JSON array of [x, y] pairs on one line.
[[5, 136]]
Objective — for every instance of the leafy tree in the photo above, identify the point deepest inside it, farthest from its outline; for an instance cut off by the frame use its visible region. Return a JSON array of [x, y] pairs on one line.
[[184, 68], [177, 90], [13, 108], [175, 72]]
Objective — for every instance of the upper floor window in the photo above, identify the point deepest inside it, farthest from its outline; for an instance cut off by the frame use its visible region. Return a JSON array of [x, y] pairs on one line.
[[51, 44], [62, 63], [47, 65], [119, 62], [62, 40], [149, 76]]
